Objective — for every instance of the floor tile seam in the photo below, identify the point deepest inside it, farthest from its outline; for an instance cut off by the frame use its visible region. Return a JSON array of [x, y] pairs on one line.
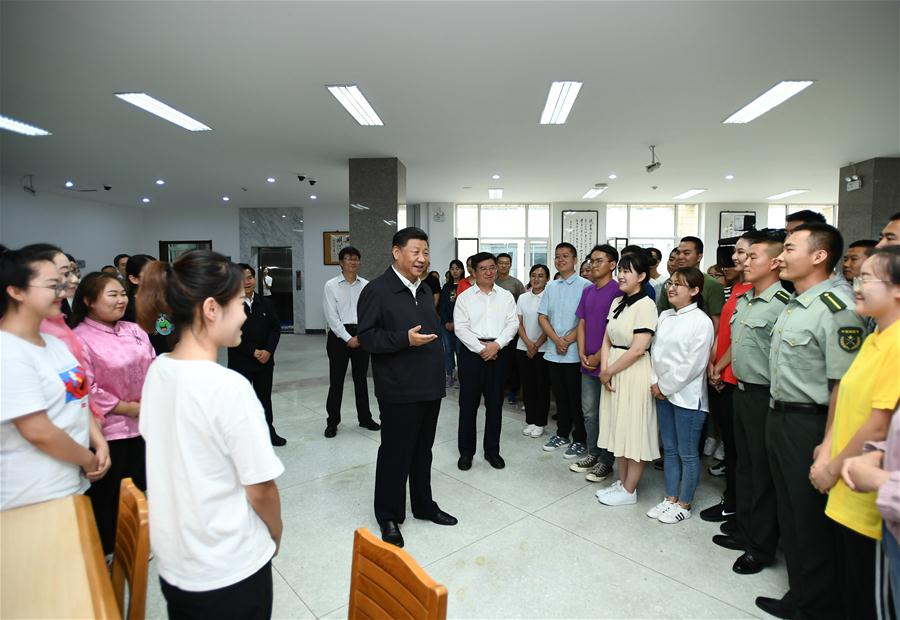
[[641, 564], [581, 488], [297, 594]]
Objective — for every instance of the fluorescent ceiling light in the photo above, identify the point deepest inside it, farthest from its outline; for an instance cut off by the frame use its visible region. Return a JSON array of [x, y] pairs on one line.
[[25, 129], [160, 109], [356, 104], [390, 222], [688, 194], [790, 192], [359, 206], [560, 100], [776, 95], [495, 193], [593, 192]]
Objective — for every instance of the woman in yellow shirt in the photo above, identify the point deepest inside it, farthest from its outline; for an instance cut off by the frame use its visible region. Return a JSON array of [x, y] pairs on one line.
[[865, 399]]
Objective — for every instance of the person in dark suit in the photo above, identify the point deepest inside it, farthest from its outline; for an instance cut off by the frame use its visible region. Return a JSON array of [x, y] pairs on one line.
[[398, 326], [254, 357]]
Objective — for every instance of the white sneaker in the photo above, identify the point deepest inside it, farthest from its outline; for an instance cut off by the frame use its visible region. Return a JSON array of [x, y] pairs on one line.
[[709, 446], [537, 431], [675, 514], [615, 486], [619, 497], [659, 509], [719, 454], [527, 430]]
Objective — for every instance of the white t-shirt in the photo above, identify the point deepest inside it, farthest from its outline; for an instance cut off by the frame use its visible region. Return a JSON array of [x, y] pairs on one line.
[[527, 308], [206, 438], [33, 379]]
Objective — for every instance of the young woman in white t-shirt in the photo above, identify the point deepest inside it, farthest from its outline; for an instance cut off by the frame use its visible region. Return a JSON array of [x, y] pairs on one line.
[[215, 512], [46, 424], [533, 369]]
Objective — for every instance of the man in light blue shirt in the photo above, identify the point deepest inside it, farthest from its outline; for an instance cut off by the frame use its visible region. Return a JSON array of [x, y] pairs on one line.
[[556, 315]]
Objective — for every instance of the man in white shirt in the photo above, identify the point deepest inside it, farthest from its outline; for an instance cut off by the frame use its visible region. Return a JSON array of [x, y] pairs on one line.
[[485, 321], [342, 345]]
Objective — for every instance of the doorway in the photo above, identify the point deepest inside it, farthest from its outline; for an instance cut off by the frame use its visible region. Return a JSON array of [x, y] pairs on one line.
[[274, 280]]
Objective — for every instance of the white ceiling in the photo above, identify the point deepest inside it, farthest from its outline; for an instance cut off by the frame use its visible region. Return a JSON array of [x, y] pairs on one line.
[[460, 87]]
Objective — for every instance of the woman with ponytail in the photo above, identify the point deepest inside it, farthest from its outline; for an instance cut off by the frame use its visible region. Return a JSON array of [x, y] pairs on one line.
[[216, 518]]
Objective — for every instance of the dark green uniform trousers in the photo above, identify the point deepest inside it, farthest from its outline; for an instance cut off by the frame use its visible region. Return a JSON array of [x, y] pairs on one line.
[[757, 520], [806, 533]]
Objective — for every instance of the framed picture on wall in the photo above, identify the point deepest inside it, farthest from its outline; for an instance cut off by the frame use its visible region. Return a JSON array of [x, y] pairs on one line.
[[580, 228], [333, 241], [170, 250], [736, 223]]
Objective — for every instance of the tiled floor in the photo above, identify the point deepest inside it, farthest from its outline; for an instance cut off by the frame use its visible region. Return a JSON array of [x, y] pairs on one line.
[[532, 541]]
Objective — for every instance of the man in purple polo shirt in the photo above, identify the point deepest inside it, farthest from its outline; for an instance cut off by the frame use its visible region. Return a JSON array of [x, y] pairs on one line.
[[592, 313]]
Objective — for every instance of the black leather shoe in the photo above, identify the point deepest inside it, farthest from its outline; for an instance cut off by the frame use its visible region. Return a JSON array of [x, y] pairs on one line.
[[775, 607], [748, 565], [729, 528], [440, 517], [277, 440], [390, 533], [330, 431], [729, 542], [464, 462], [495, 460], [371, 425]]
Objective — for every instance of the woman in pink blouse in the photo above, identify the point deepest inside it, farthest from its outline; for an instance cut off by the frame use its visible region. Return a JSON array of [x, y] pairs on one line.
[[117, 355]]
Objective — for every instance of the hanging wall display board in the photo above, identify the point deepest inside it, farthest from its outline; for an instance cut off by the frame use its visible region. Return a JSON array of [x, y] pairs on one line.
[[580, 228]]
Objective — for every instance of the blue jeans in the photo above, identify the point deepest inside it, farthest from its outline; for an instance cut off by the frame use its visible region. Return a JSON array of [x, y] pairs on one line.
[[590, 409], [890, 547], [451, 342], [680, 430]]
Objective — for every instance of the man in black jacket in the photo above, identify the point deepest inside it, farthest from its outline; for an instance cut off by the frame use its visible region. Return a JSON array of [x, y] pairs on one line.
[[398, 326], [254, 357]]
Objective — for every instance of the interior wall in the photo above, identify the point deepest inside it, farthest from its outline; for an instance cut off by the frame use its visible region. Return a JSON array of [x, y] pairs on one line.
[[316, 221]]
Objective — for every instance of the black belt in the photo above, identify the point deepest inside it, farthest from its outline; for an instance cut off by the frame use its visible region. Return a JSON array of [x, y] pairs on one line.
[[743, 386], [486, 339], [810, 408]]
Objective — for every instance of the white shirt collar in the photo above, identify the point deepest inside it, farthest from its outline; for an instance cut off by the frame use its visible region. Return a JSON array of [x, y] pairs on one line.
[[687, 308], [412, 286]]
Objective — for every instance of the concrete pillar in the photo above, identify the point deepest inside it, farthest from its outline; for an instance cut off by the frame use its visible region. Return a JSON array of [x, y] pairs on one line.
[[863, 212], [377, 191]]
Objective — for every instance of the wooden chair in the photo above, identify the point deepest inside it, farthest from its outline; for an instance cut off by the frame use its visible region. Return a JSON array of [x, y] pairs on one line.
[[132, 554], [386, 582]]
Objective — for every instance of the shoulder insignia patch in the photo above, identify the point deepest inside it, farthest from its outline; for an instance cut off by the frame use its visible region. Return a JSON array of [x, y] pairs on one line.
[[782, 296], [850, 338], [834, 303]]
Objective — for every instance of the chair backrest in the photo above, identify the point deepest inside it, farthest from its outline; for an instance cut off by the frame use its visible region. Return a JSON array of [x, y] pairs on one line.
[[386, 582], [132, 553]]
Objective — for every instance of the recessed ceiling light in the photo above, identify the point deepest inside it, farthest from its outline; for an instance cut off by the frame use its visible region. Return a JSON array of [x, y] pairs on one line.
[[613, 176], [356, 104], [70, 184], [160, 182], [560, 100], [283, 216], [495, 193], [270, 180], [312, 196], [495, 177], [25, 129], [160, 109], [776, 95], [790, 192], [594, 192], [688, 194], [225, 198], [145, 200], [729, 177]]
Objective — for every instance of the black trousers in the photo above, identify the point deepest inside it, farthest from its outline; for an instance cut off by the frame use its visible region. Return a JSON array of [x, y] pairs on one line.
[[722, 410], [339, 355], [407, 436], [856, 556], [127, 458], [261, 380], [535, 378], [248, 599], [757, 519], [477, 379], [565, 382], [806, 533]]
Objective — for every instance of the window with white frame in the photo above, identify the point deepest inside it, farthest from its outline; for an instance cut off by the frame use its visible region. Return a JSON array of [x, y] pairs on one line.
[[653, 225], [777, 213], [520, 230]]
